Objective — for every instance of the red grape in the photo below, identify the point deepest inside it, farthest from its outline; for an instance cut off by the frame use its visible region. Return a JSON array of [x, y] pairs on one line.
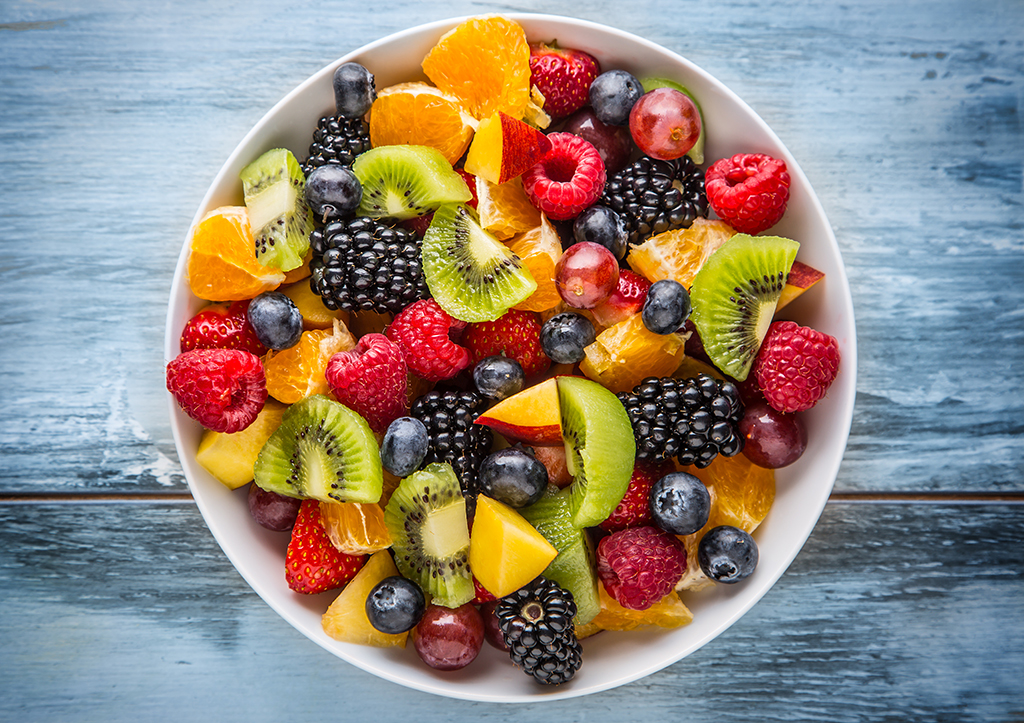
[[613, 143], [772, 439], [447, 638], [273, 511], [492, 631], [586, 275], [665, 124]]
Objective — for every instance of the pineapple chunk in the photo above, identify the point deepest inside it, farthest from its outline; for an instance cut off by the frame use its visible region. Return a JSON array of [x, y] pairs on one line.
[[230, 457]]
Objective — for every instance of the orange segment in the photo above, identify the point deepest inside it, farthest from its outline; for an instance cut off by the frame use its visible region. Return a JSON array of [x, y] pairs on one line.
[[485, 62], [505, 209], [222, 263], [679, 254], [669, 612], [420, 114], [625, 354], [355, 528], [539, 248], [298, 372]]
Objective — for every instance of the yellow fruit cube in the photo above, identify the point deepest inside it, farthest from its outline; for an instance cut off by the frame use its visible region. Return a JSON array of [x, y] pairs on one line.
[[505, 551], [346, 619], [230, 457]]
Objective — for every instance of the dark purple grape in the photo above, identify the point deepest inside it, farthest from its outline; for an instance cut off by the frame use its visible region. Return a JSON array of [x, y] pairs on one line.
[[447, 638], [773, 439], [273, 511], [492, 629], [613, 143]]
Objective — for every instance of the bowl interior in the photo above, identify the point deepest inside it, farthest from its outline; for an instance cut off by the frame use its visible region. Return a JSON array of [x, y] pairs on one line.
[[610, 659]]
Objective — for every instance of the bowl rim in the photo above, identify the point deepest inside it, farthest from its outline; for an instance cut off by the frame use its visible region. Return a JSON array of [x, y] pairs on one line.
[[842, 393]]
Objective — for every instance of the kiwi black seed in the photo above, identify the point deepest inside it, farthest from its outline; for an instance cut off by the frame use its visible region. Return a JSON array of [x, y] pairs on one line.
[[324, 451], [734, 296], [402, 182], [599, 446], [273, 186], [470, 273], [426, 517]]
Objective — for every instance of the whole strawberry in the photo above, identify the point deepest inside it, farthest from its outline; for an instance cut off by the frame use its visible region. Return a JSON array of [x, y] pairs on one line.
[[640, 565], [563, 76], [422, 330], [311, 563], [220, 327], [795, 366], [515, 334], [222, 389], [371, 380], [634, 509], [748, 191]]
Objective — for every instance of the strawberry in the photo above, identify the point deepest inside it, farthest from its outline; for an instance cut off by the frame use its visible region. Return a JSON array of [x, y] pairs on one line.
[[311, 563], [515, 334], [634, 510], [563, 76], [222, 327], [222, 389]]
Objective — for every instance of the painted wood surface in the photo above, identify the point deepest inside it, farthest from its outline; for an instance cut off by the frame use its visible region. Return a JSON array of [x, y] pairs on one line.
[[906, 117]]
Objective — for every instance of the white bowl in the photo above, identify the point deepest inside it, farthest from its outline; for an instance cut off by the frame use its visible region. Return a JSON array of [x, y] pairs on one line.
[[610, 659]]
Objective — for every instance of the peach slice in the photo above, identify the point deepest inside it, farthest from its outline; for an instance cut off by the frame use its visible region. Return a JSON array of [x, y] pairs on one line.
[[801, 278], [504, 148], [532, 416], [505, 551]]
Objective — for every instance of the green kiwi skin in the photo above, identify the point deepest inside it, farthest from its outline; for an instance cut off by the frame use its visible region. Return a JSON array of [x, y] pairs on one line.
[[403, 182], [600, 448], [433, 489], [281, 222], [471, 274], [746, 272], [323, 450], [573, 568]]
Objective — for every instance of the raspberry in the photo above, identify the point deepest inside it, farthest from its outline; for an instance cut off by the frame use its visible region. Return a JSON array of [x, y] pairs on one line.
[[634, 510], [220, 328], [222, 389], [515, 334], [422, 331], [567, 179], [640, 565], [371, 380], [795, 366], [748, 191]]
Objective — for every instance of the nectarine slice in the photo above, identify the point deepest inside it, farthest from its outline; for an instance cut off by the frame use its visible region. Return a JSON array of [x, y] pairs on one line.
[[532, 416]]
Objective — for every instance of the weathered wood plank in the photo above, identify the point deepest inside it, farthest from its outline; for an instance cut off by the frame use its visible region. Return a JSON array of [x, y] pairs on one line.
[[130, 612], [906, 118]]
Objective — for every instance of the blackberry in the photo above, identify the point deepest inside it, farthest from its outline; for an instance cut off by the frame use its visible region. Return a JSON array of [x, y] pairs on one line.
[[453, 438], [364, 264], [691, 419], [337, 139], [536, 623], [653, 196]]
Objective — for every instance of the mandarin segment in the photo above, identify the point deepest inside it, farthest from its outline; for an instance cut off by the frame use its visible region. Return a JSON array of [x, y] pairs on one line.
[[299, 372], [505, 209], [355, 528], [419, 114], [625, 354], [680, 253], [222, 263], [669, 612], [539, 248]]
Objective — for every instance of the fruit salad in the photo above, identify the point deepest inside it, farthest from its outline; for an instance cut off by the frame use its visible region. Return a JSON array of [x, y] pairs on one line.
[[498, 357]]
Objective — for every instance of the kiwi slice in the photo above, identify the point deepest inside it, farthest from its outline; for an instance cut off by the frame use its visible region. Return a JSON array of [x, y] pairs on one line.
[[406, 181], [273, 186], [573, 568], [324, 451], [426, 517], [734, 296], [696, 153], [470, 273], [599, 448]]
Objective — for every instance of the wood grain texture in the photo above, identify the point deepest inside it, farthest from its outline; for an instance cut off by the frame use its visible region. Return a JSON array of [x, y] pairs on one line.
[[131, 612]]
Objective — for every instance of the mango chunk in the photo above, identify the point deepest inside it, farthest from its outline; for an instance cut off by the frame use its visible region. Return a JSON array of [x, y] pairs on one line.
[[505, 551], [230, 457]]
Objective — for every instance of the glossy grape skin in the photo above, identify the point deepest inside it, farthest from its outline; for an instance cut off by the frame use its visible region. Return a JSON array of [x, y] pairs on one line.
[[271, 510], [665, 124], [332, 191], [492, 629], [447, 638], [773, 439], [613, 143], [586, 275]]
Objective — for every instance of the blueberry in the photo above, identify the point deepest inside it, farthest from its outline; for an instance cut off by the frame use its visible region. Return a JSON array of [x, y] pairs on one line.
[[612, 95], [354, 90], [404, 446], [601, 225], [332, 191], [276, 320], [666, 307], [512, 476], [395, 605], [565, 336], [498, 377], [727, 554], [680, 503]]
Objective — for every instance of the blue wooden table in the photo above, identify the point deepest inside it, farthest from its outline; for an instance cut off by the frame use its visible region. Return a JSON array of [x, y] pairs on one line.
[[907, 603]]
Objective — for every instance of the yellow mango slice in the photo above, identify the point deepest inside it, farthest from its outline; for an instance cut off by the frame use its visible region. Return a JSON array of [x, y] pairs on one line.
[[346, 619], [505, 551], [230, 457]]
